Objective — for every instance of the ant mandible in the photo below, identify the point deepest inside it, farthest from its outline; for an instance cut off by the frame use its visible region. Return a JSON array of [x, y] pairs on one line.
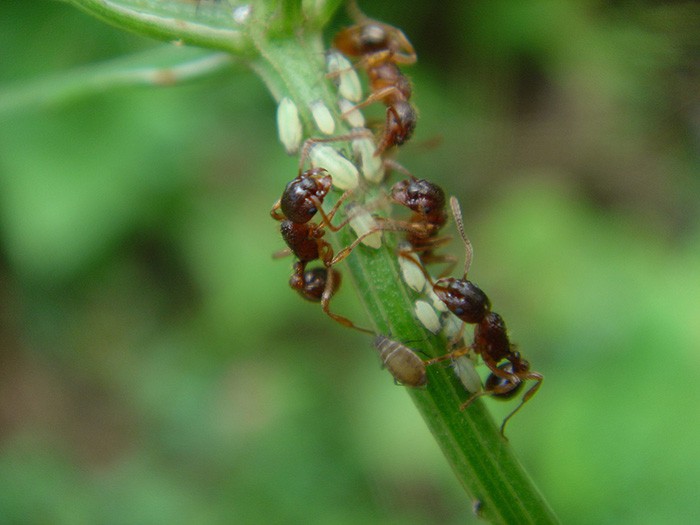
[[380, 47], [301, 200], [468, 302]]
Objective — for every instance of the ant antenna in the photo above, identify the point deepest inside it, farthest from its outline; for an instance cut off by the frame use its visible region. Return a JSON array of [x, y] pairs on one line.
[[457, 212]]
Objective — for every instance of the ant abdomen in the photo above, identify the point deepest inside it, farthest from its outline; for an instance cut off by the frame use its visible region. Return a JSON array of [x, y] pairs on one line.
[[464, 299], [500, 387], [401, 361], [311, 284]]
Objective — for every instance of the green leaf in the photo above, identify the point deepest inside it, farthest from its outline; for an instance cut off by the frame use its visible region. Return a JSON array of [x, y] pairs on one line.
[[162, 66]]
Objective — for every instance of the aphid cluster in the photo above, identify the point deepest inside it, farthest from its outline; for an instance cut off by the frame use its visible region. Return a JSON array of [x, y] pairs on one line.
[[444, 306]]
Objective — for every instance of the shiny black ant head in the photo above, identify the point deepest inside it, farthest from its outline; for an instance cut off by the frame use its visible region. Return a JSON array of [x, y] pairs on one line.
[[302, 194], [419, 195], [464, 299], [500, 387]]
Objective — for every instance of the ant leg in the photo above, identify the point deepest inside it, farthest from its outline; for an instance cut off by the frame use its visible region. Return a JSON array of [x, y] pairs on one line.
[[473, 398], [328, 217], [526, 397], [377, 96], [406, 254], [499, 372], [275, 213], [393, 165], [450, 355], [342, 254], [429, 258], [325, 306], [386, 226]]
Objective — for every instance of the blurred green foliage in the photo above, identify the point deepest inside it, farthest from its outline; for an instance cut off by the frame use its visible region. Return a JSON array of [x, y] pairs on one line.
[[155, 367]]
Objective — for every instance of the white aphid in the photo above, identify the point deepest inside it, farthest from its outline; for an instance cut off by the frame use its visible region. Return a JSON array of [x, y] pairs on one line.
[[351, 114], [322, 117], [412, 274], [349, 85], [438, 303], [344, 173], [451, 326], [372, 166], [465, 371], [241, 14], [289, 125], [361, 221], [427, 316]]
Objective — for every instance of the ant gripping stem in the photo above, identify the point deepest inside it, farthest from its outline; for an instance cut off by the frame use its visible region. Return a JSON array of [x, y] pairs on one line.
[[301, 200]]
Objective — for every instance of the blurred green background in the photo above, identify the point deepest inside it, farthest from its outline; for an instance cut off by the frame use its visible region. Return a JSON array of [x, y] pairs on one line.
[[155, 367]]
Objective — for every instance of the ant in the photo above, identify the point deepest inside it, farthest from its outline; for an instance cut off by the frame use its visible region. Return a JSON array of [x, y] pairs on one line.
[[468, 302], [301, 200], [380, 48], [427, 202]]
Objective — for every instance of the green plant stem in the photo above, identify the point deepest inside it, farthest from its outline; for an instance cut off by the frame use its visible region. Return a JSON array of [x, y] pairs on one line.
[[482, 460], [283, 44]]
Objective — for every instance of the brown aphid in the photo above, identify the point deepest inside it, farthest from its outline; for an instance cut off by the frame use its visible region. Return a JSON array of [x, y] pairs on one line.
[[401, 361]]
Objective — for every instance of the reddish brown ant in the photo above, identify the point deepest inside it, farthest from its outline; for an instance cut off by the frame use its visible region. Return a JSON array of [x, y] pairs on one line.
[[301, 200], [468, 302], [427, 202], [380, 47]]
